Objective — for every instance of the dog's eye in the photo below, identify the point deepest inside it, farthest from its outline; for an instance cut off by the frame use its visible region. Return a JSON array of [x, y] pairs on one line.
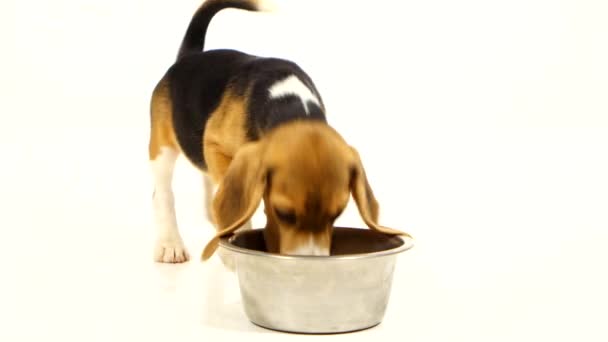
[[287, 216]]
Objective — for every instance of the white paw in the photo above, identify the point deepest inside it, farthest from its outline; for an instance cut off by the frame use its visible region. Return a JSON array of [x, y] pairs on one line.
[[170, 251]]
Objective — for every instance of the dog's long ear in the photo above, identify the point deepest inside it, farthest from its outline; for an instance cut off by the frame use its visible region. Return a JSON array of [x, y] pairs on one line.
[[364, 197], [239, 193]]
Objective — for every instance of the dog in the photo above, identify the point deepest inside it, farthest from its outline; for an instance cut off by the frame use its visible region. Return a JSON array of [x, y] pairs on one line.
[[256, 128]]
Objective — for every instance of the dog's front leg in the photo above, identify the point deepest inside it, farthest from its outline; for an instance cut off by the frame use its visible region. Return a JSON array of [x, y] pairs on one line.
[[210, 189]]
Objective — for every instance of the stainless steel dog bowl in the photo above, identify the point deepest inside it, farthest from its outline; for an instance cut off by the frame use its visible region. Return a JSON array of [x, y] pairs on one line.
[[346, 291]]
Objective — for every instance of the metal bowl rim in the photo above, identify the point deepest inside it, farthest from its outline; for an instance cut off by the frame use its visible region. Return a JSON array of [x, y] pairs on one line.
[[225, 242]]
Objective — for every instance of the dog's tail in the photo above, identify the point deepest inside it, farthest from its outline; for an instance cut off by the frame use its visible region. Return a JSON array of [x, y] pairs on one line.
[[194, 39]]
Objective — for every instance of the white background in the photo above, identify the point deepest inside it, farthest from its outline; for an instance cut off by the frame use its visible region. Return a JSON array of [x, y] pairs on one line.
[[483, 126]]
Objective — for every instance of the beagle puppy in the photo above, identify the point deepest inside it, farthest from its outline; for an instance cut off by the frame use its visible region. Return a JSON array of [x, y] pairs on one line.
[[256, 128]]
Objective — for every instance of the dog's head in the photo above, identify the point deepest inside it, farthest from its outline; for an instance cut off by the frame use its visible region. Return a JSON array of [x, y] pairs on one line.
[[305, 172]]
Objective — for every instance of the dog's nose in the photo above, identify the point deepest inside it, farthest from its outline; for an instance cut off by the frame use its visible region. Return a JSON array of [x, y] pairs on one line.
[[310, 247]]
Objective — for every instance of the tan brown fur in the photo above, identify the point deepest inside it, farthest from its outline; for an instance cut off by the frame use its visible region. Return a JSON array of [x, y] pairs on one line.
[[224, 134], [161, 130], [302, 167]]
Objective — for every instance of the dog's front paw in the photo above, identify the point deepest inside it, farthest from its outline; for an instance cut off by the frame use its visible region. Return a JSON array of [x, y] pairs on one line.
[[170, 251]]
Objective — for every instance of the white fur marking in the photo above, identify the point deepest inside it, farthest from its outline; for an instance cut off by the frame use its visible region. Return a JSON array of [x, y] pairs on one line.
[[169, 246], [310, 248], [293, 86]]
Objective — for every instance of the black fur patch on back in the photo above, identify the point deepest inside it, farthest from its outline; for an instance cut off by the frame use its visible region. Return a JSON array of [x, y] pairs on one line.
[[266, 113], [198, 82]]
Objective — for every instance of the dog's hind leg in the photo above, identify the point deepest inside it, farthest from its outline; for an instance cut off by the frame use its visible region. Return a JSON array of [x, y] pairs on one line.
[[163, 152]]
